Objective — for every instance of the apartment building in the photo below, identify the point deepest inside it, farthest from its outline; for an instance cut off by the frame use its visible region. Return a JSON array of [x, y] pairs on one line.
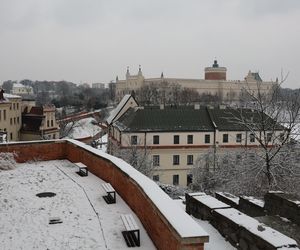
[[177, 136], [10, 117]]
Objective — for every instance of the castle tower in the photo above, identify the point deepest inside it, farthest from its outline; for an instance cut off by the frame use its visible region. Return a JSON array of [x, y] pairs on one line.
[[215, 72]]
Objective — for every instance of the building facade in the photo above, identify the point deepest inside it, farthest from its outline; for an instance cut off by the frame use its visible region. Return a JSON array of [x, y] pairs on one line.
[[215, 83], [20, 89], [176, 137], [10, 117], [39, 123]]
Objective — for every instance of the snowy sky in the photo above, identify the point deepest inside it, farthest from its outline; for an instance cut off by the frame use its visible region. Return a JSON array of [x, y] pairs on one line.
[[95, 40]]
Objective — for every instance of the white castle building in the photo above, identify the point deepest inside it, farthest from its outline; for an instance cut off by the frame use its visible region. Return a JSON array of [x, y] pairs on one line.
[[214, 83]]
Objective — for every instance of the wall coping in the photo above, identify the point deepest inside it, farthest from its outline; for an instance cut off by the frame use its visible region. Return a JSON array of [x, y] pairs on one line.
[[182, 223]]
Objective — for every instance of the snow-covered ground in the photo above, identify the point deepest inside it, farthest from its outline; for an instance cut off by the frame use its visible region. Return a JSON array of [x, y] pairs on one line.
[[102, 143], [87, 221], [216, 240], [84, 128]]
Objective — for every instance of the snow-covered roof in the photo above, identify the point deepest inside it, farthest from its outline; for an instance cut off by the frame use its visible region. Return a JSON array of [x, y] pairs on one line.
[[18, 85], [115, 111], [181, 222], [83, 128], [5, 95], [270, 235], [87, 221]]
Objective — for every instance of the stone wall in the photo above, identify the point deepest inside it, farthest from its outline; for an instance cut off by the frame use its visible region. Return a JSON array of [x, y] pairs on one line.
[[238, 228], [163, 235], [285, 205], [250, 208]]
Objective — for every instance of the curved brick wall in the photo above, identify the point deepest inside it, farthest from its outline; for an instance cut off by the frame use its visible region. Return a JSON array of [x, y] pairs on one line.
[[158, 227]]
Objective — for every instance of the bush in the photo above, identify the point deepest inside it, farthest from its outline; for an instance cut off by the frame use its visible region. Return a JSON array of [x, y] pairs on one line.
[[7, 161]]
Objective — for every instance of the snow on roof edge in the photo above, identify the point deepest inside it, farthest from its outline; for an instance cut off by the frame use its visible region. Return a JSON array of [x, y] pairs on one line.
[[183, 224], [115, 111]]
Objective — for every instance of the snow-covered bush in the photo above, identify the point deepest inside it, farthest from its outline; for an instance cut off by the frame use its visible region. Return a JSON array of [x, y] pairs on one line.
[[7, 161]]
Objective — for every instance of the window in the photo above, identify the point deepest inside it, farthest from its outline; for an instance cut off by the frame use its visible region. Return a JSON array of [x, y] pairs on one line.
[[17, 105], [155, 139], [10, 121], [176, 139], [48, 123], [269, 137], [14, 105], [225, 138], [190, 139], [54, 136], [207, 138], [175, 159], [175, 179], [18, 120], [133, 140], [51, 123], [190, 160], [155, 160], [238, 137], [4, 114], [0, 115], [189, 179], [252, 137], [155, 177], [14, 120], [11, 136]]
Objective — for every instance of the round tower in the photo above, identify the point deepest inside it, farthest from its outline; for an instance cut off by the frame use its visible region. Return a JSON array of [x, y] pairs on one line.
[[215, 72]]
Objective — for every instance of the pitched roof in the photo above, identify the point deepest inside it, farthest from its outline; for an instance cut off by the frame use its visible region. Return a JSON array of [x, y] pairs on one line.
[[167, 119], [117, 110], [186, 118]]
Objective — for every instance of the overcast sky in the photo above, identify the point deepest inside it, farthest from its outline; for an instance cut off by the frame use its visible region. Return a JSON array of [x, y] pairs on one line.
[[95, 40]]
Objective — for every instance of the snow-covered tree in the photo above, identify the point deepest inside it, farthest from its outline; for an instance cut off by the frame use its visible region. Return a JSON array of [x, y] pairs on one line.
[[240, 172], [7, 161], [136, 155], [273, 112]]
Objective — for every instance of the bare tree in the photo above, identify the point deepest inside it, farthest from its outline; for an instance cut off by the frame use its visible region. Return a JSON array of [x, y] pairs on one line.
[[274, 121], [239, 172], [136, 155]]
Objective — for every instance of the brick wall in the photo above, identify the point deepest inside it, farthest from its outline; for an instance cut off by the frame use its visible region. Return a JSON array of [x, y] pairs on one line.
[[215, 76], [159, 229]]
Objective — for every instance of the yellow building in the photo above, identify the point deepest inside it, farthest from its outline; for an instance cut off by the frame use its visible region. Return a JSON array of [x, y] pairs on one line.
[[10, 117]]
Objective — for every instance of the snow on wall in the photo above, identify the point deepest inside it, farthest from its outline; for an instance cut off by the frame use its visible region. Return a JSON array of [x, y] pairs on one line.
[[180, 221], [270, 235]]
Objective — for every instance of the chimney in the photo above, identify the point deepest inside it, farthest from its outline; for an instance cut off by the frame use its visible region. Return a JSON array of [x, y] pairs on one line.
[[1, 95]]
